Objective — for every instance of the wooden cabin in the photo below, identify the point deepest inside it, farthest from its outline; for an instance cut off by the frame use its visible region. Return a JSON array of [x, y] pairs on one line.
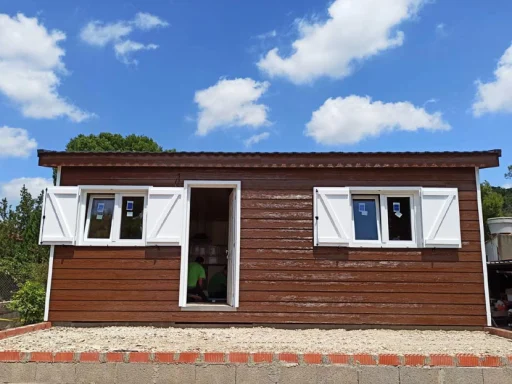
[[345, 239]]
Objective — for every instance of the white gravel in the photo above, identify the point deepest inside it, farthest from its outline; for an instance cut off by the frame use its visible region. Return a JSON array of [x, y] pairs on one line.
[[258, 340]]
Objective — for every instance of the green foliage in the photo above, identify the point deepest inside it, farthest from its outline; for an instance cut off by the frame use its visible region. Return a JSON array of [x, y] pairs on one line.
[[508, 175], [29, 302], [21, 257], [507, 199], [112, 142], [492, 204]]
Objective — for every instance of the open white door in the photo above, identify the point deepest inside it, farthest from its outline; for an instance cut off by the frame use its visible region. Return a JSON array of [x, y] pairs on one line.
[[232, 289]]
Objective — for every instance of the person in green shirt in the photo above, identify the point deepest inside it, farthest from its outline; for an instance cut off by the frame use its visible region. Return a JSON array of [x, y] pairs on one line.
[[196, 278], [218, 285]]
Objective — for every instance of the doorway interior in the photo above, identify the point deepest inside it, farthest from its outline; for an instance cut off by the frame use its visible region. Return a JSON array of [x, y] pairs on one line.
[[210, 249]]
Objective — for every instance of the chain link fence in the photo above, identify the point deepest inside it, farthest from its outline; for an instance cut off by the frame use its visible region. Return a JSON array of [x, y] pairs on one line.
[[8, 288]]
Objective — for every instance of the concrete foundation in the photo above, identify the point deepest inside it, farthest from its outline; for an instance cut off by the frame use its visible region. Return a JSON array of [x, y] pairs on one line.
[[141, 373]]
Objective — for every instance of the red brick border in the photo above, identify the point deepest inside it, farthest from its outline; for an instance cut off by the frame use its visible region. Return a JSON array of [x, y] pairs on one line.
[[89, 357], [164, 357], [238, 357], [62, 357], [139, 357], [114, 357], [214, 357], [192, 357], [263, 357], [312, 358], [389, 360], [364, 359], [25, 329], [288, 358], [442, 360]]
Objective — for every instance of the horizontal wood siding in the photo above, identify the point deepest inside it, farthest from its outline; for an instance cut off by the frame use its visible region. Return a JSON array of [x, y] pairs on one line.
[[283, 278]]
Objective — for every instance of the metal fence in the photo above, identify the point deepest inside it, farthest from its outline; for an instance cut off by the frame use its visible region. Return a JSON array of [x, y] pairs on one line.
[[7, 287]]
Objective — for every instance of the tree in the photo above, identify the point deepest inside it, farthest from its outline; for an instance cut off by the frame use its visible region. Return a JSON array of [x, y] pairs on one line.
[[492, 204], [112, 142], [508, 175], [21, 258]]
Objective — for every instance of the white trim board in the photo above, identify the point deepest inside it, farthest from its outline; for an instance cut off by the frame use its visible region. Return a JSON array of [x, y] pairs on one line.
[[482, 247], [50, 261], [188, 184]]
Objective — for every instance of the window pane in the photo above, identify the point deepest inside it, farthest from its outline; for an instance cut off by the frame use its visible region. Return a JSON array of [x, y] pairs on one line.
[[365, 219], [399, 218], [131, 219], [100, 222]]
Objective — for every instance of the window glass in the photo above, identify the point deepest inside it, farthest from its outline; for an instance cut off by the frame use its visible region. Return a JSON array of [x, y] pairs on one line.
[[365, 218], [399, 218], [132, 211], [100, 220]]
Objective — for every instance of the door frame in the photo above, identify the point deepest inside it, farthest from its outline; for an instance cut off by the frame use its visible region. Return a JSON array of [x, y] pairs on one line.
[[188, 185]]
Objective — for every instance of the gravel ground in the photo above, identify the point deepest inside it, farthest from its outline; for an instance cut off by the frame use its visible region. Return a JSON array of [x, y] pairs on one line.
[[258, 340]]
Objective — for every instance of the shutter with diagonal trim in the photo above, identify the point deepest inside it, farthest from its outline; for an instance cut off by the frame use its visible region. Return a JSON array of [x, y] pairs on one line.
[[60, 208], [440, 217], [164, 216], [332, 217]]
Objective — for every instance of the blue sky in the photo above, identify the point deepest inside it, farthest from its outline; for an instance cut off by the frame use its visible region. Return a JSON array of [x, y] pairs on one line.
[[311, 75]]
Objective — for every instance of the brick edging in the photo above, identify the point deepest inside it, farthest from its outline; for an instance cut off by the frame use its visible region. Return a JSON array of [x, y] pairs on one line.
[[194, 357], [25, 329]]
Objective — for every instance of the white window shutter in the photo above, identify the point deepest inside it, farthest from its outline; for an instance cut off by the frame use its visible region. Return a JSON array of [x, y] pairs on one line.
[[164, 216], [60, 208], [332, 216], [440, 217]]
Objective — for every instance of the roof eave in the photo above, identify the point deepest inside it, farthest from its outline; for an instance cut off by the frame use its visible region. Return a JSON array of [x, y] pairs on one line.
[[480, 159]]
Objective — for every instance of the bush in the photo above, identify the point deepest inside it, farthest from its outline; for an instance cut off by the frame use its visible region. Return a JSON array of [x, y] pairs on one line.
[[29, 302]]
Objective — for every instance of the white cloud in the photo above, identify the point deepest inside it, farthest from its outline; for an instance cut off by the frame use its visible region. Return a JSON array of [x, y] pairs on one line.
[[441, 30], [231, 103], [126, 48], [100, 34], [30, 69], [255, 139], [496, 96], [430, 101], [11, 189], [267, 35], [355, 30], [507, 185], [15, 142], [146, 21], [351, 119]]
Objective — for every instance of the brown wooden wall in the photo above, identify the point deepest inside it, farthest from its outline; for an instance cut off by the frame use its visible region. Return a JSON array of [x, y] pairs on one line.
[[283, 278]]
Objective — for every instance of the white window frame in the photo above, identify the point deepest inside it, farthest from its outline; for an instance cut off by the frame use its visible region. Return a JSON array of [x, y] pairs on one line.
[[188, 185], [361, 243], [382, 194], [119, 192], [90, 197], [414, 202]]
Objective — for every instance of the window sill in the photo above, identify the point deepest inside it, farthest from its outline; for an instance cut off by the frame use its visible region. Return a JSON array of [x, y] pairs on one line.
[[112, 244], [206, 307], [385, 245]]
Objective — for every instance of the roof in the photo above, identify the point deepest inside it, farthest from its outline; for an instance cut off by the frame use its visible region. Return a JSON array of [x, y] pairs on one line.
[[481, 159]]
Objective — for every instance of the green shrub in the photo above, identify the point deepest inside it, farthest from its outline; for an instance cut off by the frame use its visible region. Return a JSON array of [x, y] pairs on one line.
[[29, 302]]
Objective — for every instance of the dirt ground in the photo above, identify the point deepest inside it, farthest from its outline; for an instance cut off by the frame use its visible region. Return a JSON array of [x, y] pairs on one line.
[[258, 340]]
